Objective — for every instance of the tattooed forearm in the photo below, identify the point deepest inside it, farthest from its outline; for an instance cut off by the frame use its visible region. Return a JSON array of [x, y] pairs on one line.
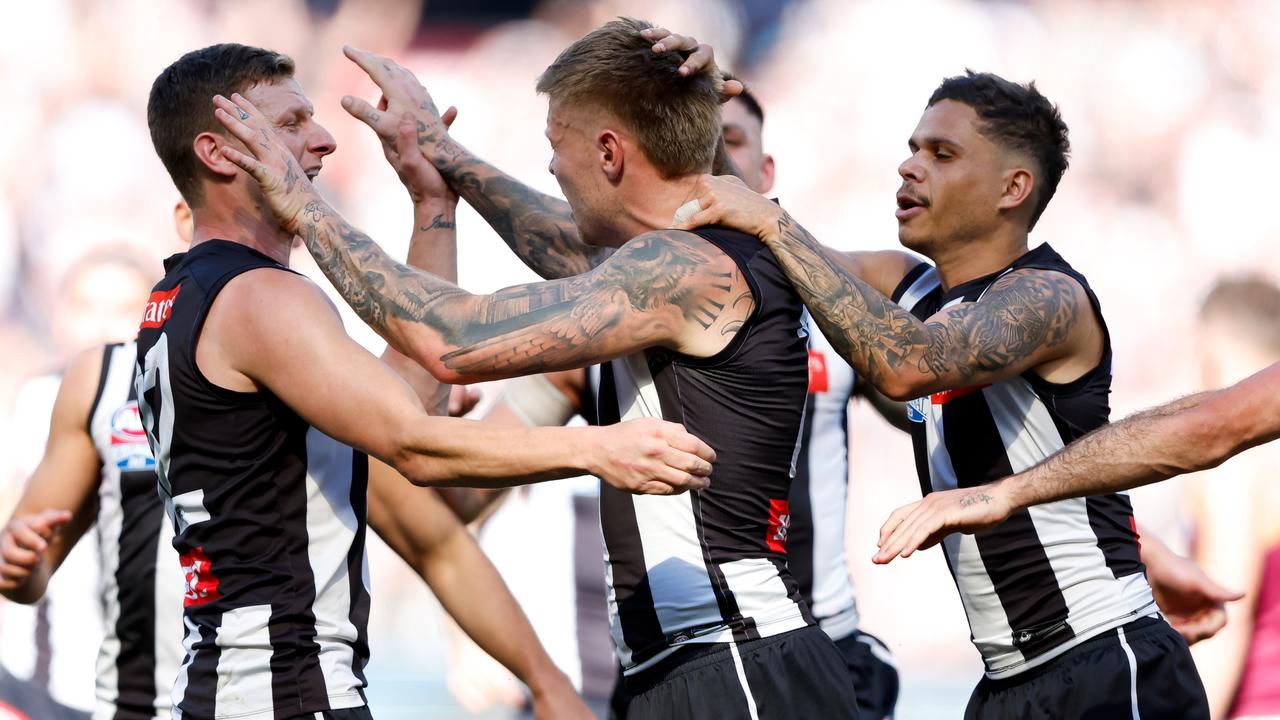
[[537, 227], [527, 328], [900, 354]]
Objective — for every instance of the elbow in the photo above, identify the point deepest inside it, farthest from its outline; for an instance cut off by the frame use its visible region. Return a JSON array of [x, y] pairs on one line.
[[900, 389]]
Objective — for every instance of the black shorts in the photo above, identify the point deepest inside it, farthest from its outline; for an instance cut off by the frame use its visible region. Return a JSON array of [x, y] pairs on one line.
[[798, 674], [1142, 669], [875, 679]]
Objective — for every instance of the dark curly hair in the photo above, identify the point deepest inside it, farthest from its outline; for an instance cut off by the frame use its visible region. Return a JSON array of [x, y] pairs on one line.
[[1018, 117]]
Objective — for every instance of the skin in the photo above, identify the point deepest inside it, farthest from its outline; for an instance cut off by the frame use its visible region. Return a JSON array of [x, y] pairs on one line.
[[661, 288], [966, 203]]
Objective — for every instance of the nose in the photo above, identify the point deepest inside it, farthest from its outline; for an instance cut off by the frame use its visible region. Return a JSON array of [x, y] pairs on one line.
[[321, 143], [910, 169]]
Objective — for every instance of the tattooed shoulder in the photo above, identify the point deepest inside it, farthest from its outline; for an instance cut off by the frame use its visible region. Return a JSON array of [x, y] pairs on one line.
[[1023, 313], [681, 269]]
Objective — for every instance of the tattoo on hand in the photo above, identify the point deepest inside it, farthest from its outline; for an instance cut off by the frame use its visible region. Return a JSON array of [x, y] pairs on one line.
[[974, 498]]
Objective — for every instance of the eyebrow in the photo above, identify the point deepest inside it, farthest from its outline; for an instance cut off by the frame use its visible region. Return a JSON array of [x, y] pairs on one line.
[[933, 141]]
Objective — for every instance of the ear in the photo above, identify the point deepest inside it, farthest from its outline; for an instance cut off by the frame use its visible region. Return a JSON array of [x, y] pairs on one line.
[[1019, 183], [206, 147], [612, 154], [767, 171]]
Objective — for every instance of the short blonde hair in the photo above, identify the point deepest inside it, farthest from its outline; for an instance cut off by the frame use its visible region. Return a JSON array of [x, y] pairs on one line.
[[675, 119]]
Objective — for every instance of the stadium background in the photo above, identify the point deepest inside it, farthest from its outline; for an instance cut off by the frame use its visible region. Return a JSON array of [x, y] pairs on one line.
[[1174, 109]]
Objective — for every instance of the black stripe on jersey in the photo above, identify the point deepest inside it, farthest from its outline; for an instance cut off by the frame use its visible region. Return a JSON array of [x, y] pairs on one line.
[[672, 411], [800, 533], [202, 673], [359, 594], [1117, 540], [102, 384], [1013, 556], [296, 676], [143, 514], [912, 275], [641, 629]]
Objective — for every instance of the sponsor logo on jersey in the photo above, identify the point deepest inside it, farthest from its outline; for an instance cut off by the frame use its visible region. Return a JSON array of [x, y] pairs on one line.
[[779, 525], [158, 307], [201, 583], [946, 396], [129, 449], [819, 380], [917, 410]]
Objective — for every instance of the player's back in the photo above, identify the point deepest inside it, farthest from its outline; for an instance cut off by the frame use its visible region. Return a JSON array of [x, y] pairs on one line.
[[710, 567], [269, 516]]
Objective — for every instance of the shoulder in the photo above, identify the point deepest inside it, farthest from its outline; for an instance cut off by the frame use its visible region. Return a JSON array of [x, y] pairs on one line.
[[269, 303], [1042, 288], [79, 387], [665, 257]]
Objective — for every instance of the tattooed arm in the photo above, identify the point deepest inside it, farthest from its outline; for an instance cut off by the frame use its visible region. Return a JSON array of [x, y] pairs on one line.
[[1187, 435], [1027, 319]]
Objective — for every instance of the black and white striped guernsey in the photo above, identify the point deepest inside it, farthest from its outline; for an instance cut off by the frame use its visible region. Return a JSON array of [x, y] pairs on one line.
[[1054, 575], [819, 494], [141, 577], [710, 566], [270, 517]]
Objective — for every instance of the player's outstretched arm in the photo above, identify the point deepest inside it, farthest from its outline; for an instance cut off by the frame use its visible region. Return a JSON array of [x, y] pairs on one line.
[[1187, 435], [418, 526], [58, 504], [1027, 318], [316, 369]]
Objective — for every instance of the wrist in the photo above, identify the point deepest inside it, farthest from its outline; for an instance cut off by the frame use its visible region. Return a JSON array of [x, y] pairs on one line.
[[585, 450], [435, 214], [545, 679]]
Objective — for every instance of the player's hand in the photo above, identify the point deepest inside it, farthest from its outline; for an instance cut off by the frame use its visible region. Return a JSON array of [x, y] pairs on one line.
[[1193, 603], [924, 523], [401, 93], [23, 542], [462, 400], [650, 457], [423, 181], [287, 189], [727, 201], [701, 58], [478, 682]]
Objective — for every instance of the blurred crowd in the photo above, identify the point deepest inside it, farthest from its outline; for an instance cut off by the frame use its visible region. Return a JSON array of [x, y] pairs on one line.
[[1174, 110]]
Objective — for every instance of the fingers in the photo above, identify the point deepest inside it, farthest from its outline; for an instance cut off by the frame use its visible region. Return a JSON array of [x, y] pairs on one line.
[[680, 439], [407, 138], [364, 112], [235, 117], [732, 89], [379, 69], [686, 462], [1200, 626], [449, 116], [1217, 593]]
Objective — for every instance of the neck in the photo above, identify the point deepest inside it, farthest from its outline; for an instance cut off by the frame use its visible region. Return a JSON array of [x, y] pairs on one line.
[[651, 204], [242, 223], [958, 262]]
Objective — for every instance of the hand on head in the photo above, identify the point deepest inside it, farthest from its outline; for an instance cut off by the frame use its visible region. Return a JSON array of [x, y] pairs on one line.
[[701, 57]]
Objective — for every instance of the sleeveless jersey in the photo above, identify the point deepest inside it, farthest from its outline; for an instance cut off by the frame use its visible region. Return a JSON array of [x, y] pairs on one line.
[[269, 514], [819, 494], [1054, 575], [141, 584], [711, 566]]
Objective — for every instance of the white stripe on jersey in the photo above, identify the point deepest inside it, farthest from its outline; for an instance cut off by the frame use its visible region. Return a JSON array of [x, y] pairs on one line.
[[245, 639], [331, 530], [189, 640], [833, 605]]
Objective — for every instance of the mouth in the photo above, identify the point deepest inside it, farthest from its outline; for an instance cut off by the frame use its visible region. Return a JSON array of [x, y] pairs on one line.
[[909, 206], [312, 174]]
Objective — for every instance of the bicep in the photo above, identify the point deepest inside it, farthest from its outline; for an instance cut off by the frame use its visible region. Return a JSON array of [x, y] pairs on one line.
[[1026, 319], [307, 360]]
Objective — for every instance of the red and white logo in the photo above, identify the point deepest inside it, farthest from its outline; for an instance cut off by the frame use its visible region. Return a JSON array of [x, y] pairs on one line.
[[818, 380], [126, 425], [946, 396], [202, 584], [159, 305], [779, 525]]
